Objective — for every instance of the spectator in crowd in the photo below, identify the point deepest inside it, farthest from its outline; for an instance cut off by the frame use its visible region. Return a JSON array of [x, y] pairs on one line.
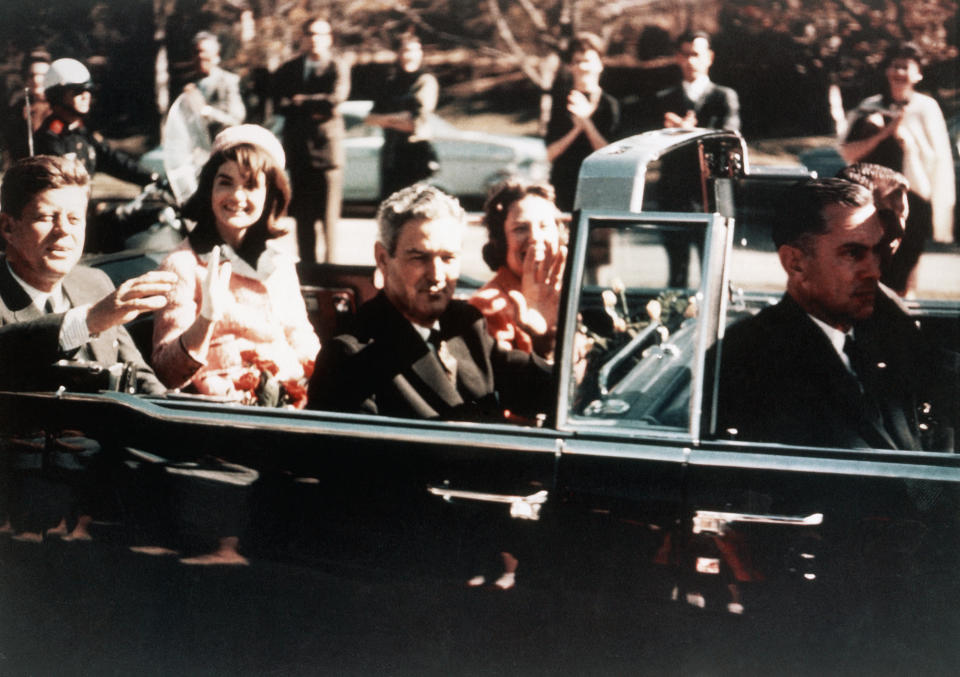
[[28, 107], [414, 351], [403, 109], [524, 249], [68, 88], [222, 106], [696, 101], [583, 118], [237, 330], [307, 92], [811, 369], [53, 310], [905, 130]]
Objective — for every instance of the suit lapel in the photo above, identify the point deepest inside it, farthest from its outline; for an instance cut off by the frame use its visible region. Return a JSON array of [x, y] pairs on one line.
[[415, 360], [15, 298], [841, 386]]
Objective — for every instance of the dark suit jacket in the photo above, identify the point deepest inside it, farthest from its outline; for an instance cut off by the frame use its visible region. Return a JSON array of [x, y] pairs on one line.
[[384, 366], [29, 339], [312, 132], [717, 108], [782, 381]]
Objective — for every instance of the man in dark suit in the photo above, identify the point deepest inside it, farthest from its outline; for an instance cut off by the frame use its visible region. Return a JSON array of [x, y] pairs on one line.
[[696, 101], [821, 367], [307, 92], [50, 308], [415, 351]]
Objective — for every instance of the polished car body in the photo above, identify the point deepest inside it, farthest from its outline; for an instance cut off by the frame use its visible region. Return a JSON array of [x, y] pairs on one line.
[[624, 489]]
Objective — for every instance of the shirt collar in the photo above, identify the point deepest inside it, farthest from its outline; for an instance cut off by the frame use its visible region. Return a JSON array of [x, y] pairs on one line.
[[37, 297], [836, 337], [274, 256], [694, 90], [426, 331]]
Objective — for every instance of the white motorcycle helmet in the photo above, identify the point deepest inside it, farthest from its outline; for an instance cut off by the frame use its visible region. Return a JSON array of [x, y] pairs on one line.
[[65, 74]]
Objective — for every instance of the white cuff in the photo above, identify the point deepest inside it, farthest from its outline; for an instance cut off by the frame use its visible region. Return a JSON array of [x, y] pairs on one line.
[[74, 332]]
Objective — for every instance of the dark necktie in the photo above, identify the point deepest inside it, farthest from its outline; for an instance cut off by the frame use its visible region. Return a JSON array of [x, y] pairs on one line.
[[860, 365], [857, 361], [448, 361]]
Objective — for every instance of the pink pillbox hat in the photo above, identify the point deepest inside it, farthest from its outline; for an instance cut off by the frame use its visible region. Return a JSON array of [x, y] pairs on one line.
[[255, 135]]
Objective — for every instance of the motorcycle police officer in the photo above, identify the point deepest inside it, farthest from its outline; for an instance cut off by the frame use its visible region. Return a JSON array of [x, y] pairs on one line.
[[68, 89]]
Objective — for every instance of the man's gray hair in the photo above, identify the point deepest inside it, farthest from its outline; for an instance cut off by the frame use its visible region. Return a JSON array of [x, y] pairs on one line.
[[419, 201], [205, 36]]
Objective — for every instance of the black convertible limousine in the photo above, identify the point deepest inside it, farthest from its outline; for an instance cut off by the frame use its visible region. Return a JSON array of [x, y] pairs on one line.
[[624, 488]]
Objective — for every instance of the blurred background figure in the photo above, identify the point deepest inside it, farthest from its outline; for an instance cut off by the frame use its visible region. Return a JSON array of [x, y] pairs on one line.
[[307, 92], [27, 105], [697, 101], [583, 118], [903, 129], [69, 91], [407, 101], [222, 105]]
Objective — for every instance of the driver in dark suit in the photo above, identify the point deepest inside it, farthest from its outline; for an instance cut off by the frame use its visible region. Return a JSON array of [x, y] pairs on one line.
[[415, 351], [821, 367]]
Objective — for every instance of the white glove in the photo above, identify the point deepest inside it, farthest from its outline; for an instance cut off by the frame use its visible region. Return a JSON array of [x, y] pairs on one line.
[[215, 287]]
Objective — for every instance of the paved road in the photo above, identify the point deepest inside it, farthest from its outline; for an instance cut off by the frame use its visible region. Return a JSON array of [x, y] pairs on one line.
[[94, 609]]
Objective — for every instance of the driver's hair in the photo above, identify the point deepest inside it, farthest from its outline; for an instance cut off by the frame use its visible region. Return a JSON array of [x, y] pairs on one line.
[[252, 160], [800, 215], [419, 201], [30, 176]]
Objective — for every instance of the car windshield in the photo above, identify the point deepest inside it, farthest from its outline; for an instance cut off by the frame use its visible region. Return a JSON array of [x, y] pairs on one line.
[[637, 314]]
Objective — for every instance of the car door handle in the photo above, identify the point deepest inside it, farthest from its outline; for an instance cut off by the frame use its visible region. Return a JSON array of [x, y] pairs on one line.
[[521, 507], [715, 522]]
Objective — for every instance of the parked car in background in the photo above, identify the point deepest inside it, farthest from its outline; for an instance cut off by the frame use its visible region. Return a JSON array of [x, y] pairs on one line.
[[470, 161]]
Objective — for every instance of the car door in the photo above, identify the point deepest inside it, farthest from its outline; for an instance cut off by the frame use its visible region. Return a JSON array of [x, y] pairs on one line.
[[632, 401]]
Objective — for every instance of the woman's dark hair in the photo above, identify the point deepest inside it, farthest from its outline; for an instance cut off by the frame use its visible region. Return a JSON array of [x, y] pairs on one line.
[[499, 200], [902, 50], [199, 208], [584, 42]]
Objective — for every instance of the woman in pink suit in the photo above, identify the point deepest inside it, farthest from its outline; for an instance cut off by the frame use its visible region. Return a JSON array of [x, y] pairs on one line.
[[236, 325]]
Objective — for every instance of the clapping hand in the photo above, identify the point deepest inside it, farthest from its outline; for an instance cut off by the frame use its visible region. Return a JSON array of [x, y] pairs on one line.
[[215, 287], [579, 107], [672, 120]]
